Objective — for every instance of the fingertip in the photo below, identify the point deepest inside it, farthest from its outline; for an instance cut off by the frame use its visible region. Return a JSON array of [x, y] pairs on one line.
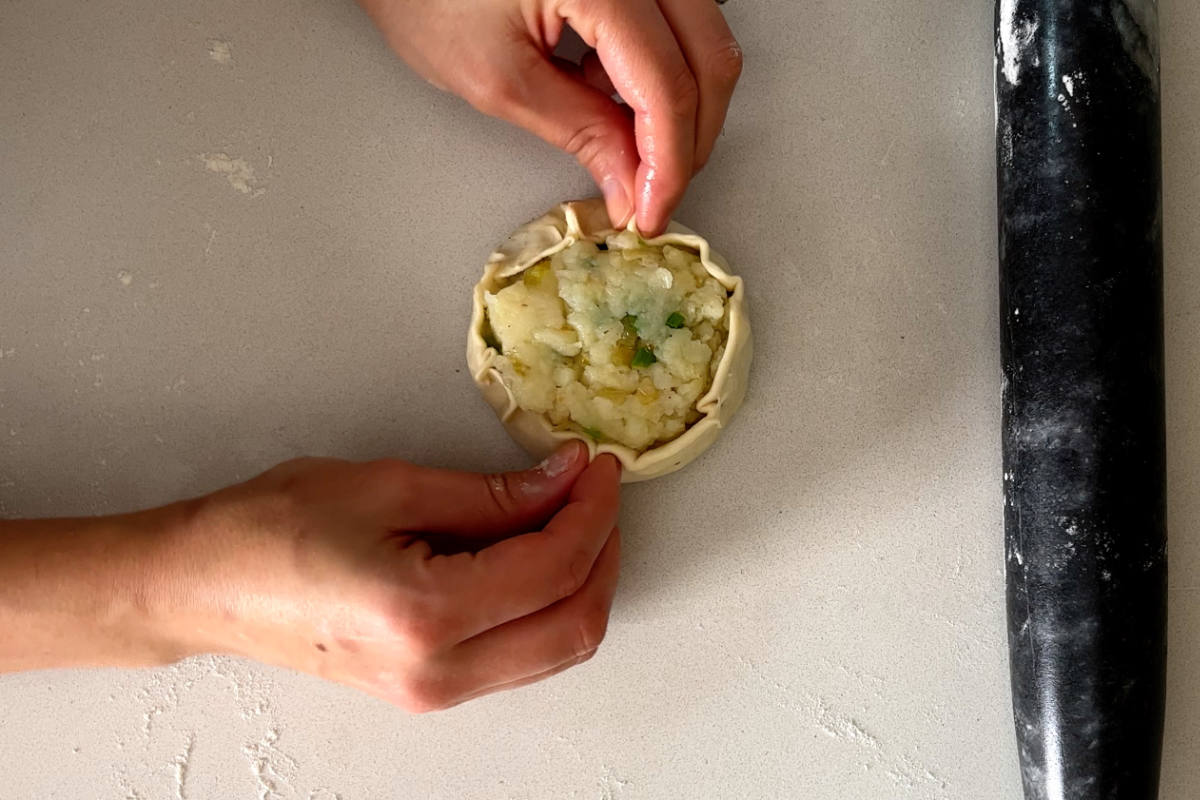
[[609, 463], [655, 205], [609, 458], [601, 479], [571, 456], [577, 451], [651, 223]]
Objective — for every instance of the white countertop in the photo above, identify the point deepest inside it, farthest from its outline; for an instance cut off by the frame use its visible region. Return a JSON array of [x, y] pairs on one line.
[[813, 610]]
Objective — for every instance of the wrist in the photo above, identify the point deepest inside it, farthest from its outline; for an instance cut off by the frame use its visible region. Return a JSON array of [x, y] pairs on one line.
[[212, 561], [158, 607], [88, 591], [192, 578]]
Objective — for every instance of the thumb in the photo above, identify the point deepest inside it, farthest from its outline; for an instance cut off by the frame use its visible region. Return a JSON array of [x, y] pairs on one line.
[[573, 116], [475, 505]]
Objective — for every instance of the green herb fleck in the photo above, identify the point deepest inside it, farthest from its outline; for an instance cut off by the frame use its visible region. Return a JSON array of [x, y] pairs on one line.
[[592, 432], [644, 357], [675, 320], [630, 323]]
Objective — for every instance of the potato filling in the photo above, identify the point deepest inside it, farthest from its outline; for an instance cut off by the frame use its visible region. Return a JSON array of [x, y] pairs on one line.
[[618, 340]]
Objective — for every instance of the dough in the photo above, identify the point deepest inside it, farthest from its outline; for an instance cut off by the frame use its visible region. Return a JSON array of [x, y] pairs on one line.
[[555, 237]]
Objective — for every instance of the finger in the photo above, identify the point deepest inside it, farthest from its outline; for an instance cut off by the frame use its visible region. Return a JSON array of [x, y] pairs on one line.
[[524, 574], [589, 70], [639, 52], [426, 696], [470, 504], [535, 646], [541, 676], [594, 74], [715, 59], [561, 109]]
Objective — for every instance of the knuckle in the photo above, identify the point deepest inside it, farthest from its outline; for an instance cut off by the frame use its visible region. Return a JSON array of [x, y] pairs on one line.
[[501, 493], [575, 573], [726, 63], [292, 465], [420, 632], [684, 95], [293, 471], [388, 469], [492, 92], [420, 696], [423, 638], [392, 480], [420, 644], [300, 476], [587, 9], [589, 142]]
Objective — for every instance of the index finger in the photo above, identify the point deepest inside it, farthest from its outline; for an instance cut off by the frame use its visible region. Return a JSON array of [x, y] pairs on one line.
[[715, 60], [639, 52], [518, 576]]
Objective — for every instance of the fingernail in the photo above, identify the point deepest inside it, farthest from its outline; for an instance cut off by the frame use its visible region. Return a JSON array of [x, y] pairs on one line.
[[619, 208], [558, 462]]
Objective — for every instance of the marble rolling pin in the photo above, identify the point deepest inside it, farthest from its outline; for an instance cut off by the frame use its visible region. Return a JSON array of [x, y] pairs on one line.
[[1080, 215]]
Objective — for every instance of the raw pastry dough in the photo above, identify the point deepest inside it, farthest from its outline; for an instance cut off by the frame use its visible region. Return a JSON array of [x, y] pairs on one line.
[[557, 230]]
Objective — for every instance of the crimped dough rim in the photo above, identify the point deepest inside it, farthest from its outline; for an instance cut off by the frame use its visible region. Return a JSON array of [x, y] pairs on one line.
[[558, 229]]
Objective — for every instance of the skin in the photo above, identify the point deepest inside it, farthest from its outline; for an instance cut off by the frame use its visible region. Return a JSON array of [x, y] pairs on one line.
[[424, 587], [674, 62]]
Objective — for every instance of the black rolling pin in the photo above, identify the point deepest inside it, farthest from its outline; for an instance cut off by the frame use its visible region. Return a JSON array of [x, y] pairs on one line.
[[1080, 215]]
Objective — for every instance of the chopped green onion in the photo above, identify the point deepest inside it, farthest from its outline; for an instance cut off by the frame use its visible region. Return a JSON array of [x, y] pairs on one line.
[[630, 323], [675, 320], [643, 358]]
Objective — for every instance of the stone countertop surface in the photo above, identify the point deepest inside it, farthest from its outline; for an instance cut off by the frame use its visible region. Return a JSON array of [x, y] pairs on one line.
[[234, 233]]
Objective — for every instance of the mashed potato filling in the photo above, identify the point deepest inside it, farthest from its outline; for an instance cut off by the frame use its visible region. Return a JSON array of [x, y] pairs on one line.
[[617, 340]]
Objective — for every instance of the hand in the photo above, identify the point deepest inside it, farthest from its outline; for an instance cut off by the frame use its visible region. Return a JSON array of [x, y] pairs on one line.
[[674, 62], [424, 587]]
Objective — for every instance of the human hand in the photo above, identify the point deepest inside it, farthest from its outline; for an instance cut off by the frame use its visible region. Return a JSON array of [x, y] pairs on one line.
[[674, 62], [424, 587]]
